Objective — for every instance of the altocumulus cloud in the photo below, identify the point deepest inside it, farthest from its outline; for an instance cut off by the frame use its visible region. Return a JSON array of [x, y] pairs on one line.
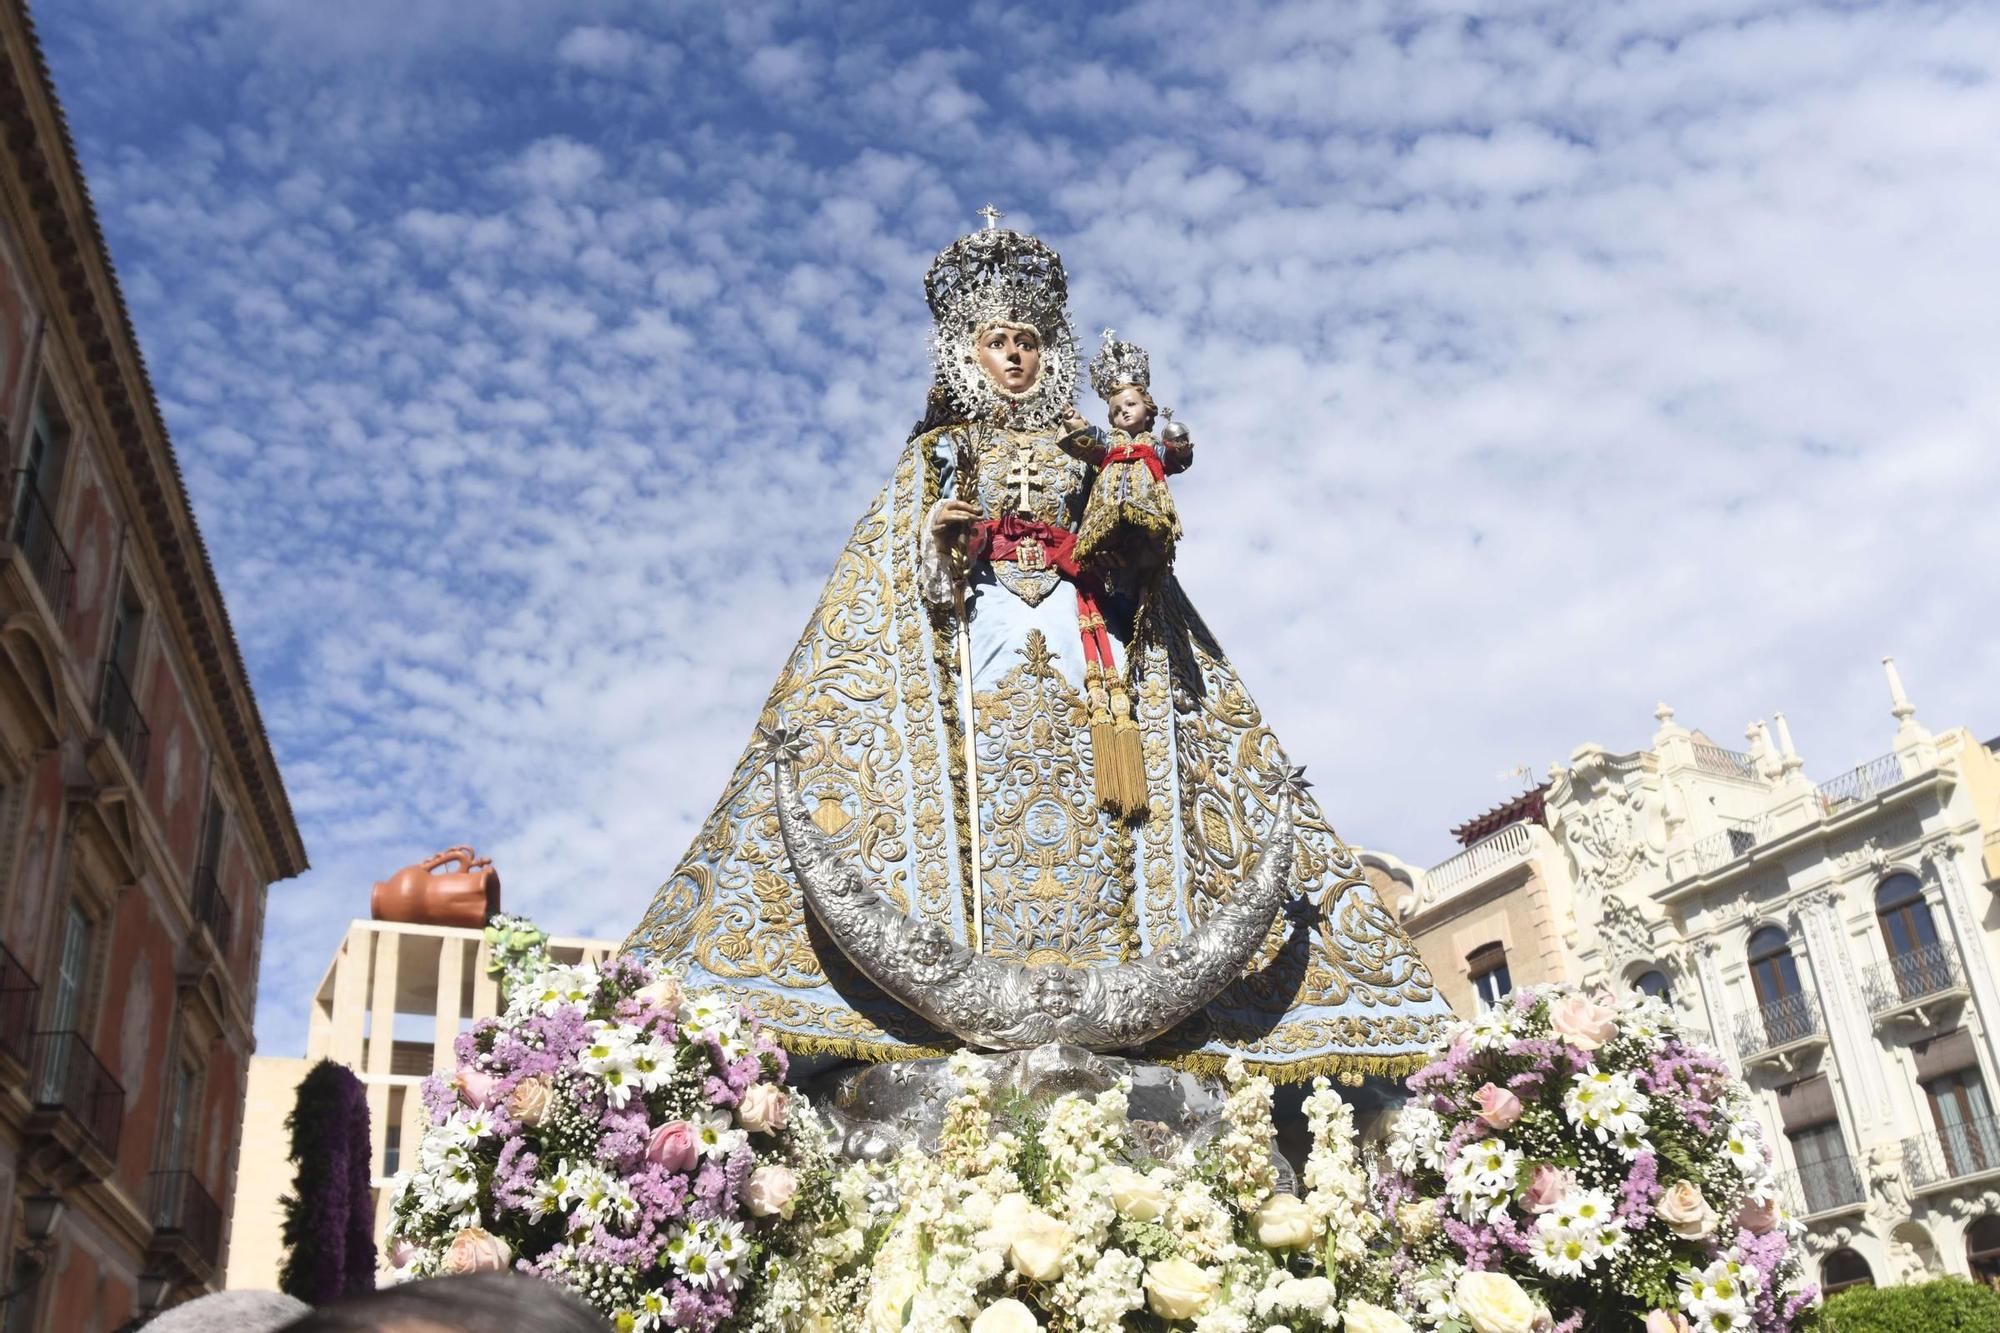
[[529, 369]]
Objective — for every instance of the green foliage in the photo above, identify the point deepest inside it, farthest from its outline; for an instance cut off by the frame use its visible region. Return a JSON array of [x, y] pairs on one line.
[[1948, 1305]]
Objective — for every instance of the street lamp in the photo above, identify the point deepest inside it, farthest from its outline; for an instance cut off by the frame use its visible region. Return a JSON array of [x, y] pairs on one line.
[[41, 1215], [152, 1292]]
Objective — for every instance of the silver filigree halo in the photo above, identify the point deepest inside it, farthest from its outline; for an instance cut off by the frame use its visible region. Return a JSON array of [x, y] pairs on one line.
[[1119, 363], [997, 275], [996, 1004]]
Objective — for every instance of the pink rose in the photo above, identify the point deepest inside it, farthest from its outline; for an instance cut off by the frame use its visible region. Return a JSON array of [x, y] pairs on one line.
[[769, 1190], [1583, 1022], [476, 1250], [1758, 1215], [662, 994], [1666, 1321], [529, 1102], [473, 1085], [1497, 1106], [1546, 1188], [763, 1108], [672, 1145]]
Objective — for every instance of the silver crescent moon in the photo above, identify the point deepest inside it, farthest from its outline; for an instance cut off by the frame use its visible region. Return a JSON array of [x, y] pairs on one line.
[[995, 1004]]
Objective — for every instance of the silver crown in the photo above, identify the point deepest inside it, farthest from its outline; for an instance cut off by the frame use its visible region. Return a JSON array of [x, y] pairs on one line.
[[1117, 364], [997, 275]]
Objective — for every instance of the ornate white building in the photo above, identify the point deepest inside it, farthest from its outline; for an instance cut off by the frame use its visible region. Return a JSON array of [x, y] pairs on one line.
[[1837, 940]]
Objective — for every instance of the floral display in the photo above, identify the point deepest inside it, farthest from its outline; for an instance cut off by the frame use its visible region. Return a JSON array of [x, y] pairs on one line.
[[1572, 1163], [631, 1142], [1057, 1216]]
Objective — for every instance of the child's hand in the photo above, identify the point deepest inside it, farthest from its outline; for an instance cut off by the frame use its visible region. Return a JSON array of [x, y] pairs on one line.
[[1073, 421]]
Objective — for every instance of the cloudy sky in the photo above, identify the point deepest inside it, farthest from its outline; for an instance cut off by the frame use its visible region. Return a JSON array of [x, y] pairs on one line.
[[530, 362]]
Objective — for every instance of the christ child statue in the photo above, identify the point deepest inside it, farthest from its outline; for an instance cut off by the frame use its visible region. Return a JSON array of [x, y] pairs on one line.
[[1129, 522]]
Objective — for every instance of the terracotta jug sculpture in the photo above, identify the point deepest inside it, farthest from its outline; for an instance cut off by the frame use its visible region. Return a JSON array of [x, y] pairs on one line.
[[421, 895]]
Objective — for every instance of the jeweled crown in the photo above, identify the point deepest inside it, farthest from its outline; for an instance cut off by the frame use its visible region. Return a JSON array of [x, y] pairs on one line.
[[1117, 364], [997, 274]]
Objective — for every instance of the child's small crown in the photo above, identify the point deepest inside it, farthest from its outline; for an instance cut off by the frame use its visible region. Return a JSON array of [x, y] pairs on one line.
[[1117, 364]]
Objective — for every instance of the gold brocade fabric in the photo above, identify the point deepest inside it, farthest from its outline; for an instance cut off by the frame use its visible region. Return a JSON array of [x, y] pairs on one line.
[[874, 682]]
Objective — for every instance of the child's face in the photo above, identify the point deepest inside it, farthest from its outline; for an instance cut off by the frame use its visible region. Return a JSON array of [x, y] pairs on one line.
[[1129, 411]]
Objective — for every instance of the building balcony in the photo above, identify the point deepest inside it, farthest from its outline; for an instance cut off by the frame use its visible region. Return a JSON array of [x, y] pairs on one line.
[[1780, 1032], [78, 1103], [211, 908], [1502, 849], [34, 531], [123, 722], [1860, 784], [1967, 1151], [1719, 848], [18, 993], [1915, 985], [187, 1225], [1823, 1189]]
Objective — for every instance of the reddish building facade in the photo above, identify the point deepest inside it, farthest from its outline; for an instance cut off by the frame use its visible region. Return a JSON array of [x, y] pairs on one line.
[[142, 815]]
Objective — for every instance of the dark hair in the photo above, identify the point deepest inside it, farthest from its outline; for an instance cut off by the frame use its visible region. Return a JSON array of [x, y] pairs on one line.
[[939, 411], [476, 1303]]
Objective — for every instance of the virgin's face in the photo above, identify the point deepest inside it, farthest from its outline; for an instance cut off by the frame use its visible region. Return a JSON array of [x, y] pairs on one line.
[[1011, 357]]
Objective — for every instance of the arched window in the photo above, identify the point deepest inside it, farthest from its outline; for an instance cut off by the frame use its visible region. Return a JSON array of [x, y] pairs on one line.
[[1773, 970], [1486, 966], [1654, 983], [1909, 932], [1842, 1269], [1982, 1250]]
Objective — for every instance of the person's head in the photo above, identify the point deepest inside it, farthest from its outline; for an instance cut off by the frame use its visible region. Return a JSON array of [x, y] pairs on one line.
[[1131, 408], [476, 1303], [230, 1312], [1010, 355]]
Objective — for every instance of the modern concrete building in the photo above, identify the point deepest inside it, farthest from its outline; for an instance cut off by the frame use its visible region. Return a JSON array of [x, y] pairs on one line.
[[392, 1002], [142, 816], [1837, 940]]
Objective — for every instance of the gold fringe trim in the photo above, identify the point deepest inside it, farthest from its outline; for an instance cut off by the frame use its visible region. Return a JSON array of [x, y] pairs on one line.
[[852, 1048], [1345, 1068]]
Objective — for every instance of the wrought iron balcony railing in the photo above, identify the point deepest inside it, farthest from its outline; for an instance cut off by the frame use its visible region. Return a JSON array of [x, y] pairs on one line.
[[1969, 1148], [72, 1079], [211, 907], [183, 1209], [1860, 784], [1712, 758], [18, 992], [1794, 1018], [34, 531], [119, 712], [1823, 1187], [1913, 976]]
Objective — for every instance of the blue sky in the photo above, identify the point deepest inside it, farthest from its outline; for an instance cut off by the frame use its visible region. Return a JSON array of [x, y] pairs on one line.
[[529, 363]]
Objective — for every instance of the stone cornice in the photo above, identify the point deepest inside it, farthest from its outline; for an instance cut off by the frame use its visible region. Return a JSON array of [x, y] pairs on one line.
[[66, 243]]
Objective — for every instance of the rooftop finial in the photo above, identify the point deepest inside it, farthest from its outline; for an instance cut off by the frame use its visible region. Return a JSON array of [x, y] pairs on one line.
[[992, 216], [1900, 706]]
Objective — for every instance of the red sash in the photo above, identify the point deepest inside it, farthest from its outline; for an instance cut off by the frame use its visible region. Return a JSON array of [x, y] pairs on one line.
[[1035, 545]]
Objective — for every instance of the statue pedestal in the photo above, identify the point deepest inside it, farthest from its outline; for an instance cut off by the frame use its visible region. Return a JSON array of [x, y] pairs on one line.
[[873, 1111]]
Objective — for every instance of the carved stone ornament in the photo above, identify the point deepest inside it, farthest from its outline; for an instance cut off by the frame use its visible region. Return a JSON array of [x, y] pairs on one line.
[[1965, 1207], [995, 1004], [1622, 936], [1609, 823]]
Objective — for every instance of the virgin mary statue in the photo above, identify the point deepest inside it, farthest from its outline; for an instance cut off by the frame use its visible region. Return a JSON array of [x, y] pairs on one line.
[[956, 709]]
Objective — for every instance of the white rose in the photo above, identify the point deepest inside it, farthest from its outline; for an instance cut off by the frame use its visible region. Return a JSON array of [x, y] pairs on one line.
[[1177, 1289], [1006, 1315], [1137, 1196], [1361, 1317], [1685, 1211], [892, 1296], [1495, 1303], [1284, 1223], [1039, 1245]]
